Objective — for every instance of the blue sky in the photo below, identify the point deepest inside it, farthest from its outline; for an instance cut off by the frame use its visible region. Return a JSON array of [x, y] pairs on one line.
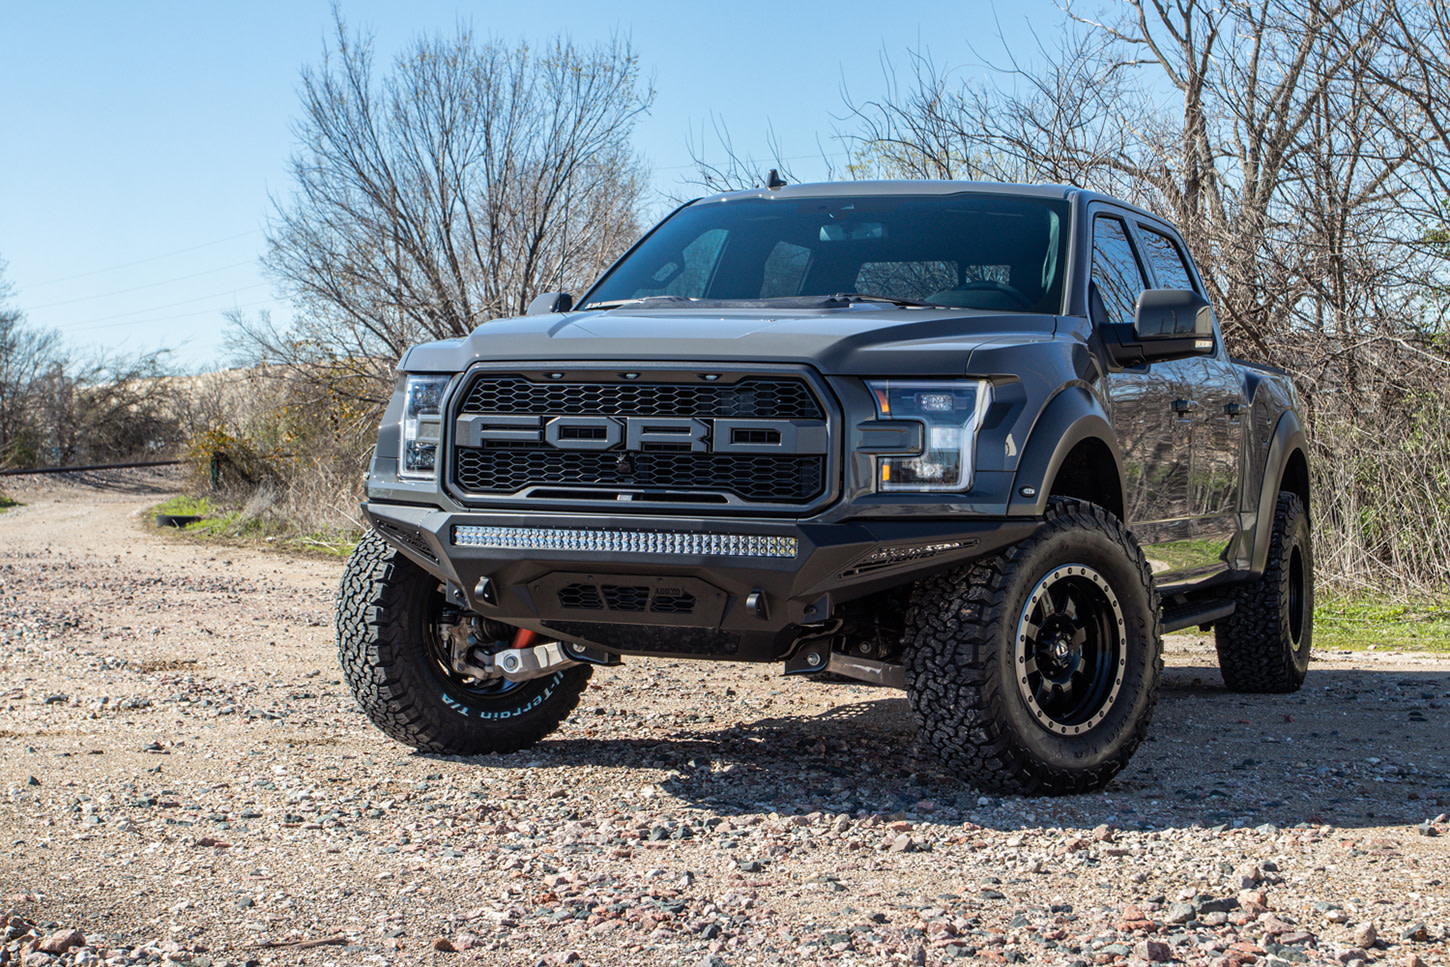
[[140, 142]]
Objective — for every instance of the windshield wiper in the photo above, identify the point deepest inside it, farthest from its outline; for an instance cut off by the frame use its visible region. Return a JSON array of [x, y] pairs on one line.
[[847, 298], [666, 300]]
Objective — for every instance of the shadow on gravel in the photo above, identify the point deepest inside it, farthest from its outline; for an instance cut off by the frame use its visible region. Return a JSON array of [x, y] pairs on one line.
[[1353, 748]]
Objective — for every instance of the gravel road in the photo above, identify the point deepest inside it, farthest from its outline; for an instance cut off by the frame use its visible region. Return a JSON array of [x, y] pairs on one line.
[[186, 780]]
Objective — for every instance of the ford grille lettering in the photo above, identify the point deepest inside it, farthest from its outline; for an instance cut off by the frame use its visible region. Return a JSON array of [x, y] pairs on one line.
[[642, 433]]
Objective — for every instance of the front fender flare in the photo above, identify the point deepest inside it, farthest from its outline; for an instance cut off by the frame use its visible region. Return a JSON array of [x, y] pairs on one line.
[[1070, 417]]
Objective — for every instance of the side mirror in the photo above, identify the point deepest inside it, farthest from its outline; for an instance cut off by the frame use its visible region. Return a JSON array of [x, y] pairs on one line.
[[1167, 324], [550, 302]]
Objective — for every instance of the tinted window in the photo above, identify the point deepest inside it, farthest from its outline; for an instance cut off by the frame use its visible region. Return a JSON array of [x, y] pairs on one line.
[[1168, 263], [785, 270], [688, 269], [978, 250], [1115, 270], [921, 279]]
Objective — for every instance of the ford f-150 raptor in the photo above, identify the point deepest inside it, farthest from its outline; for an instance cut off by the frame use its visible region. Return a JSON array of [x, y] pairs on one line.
[[980, 442]]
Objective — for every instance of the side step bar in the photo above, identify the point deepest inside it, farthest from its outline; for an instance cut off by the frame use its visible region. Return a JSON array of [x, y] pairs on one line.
[[1196, 613]]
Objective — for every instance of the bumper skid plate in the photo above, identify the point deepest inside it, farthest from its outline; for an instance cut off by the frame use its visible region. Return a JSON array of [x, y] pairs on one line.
[[735, 589]]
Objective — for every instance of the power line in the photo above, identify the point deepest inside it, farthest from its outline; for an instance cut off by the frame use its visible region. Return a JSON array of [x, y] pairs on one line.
[[91, 323], [152, 258], [141, 322], [138, 288]]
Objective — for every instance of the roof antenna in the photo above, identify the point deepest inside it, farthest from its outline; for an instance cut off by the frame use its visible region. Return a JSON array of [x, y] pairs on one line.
[[774, 180]]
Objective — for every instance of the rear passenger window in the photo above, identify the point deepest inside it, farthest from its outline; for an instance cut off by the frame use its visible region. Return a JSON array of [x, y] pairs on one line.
[[1167, 260], [1116, 272]]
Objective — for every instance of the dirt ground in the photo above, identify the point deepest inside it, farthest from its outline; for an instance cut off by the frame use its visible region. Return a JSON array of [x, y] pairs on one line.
[[184, 778]]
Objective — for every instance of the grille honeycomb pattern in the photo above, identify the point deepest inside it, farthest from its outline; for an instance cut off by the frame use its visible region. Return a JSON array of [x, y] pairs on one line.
[[754, 398], [749, 477], [581, 597], [625, 597]]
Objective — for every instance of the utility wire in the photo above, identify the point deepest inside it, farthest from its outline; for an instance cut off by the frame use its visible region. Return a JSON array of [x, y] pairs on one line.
[[138, 288], [125, 317], [152, 258], [184, 315]]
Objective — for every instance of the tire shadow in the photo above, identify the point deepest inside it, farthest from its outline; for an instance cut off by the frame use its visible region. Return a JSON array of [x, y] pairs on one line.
[[1353, 748]]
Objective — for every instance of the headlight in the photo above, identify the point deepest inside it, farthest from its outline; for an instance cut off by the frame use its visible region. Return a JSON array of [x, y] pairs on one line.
[[422, 425], [951, 412]]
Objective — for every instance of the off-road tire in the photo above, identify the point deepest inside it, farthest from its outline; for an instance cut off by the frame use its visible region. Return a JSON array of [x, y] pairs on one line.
[[1264, 645], [962, 660], [384, 607]]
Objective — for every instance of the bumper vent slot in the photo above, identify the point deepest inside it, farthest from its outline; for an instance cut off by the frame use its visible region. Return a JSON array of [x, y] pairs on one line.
[[408, 538], [626, 598]]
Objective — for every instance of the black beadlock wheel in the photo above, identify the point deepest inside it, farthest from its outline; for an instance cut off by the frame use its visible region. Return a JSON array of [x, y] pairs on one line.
[[1264, 646], [1036, 670], [394, 658]]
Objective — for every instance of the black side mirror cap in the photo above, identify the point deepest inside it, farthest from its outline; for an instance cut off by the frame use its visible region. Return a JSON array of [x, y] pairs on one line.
[[1167, 324], [550, 302]]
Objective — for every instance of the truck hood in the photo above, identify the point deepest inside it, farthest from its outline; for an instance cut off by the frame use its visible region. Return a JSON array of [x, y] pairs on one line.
[[859, 340]]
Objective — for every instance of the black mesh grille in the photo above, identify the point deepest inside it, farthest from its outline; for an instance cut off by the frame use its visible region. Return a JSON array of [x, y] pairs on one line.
[[584, 597], [621, 597], [625, 597], [664, 603], [756, 398], [659, 471], [749, 477]]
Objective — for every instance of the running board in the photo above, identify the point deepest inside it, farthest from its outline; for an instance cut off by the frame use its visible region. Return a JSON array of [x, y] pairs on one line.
[[1195, 613]]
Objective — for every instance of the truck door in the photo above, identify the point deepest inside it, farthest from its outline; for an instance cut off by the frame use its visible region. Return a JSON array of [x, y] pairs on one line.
[[1149, 409], [1216, 391]]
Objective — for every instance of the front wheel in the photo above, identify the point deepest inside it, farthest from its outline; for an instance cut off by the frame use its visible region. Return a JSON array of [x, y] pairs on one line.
[[395, 659], [1036, 670]]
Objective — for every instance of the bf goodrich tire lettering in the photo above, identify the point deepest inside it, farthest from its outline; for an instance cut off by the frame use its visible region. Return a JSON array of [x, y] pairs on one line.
[[381, 620]]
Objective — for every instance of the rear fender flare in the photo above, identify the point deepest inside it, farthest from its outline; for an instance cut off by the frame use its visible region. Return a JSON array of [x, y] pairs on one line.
[[1287, 439]]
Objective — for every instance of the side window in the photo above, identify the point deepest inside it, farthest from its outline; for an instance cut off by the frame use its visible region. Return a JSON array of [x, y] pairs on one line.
[[1115, 269], [1167, 260]]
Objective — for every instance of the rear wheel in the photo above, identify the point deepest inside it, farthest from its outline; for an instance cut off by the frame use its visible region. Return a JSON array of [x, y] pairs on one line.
[[1264, 645], [1036, 670], [395, 657]]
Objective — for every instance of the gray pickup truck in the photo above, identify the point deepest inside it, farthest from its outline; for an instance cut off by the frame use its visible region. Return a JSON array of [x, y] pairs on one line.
[[980, 442]]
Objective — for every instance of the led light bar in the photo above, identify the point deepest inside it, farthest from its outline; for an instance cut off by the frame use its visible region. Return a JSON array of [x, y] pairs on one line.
[[627, 542]]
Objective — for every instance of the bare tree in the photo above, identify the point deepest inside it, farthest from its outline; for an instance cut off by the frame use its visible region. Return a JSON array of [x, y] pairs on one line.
[[27, 354], [1276, 154], [450, 191]]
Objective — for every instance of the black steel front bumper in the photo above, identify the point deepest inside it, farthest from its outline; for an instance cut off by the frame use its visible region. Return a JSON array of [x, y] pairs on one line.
[[658, 596]]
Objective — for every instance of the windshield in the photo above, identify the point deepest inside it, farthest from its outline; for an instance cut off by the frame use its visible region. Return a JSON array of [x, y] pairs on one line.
[[977, 250]]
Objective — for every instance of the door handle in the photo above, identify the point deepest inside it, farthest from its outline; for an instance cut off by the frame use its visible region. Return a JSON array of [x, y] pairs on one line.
[[1185, 406], [1233, 409]]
